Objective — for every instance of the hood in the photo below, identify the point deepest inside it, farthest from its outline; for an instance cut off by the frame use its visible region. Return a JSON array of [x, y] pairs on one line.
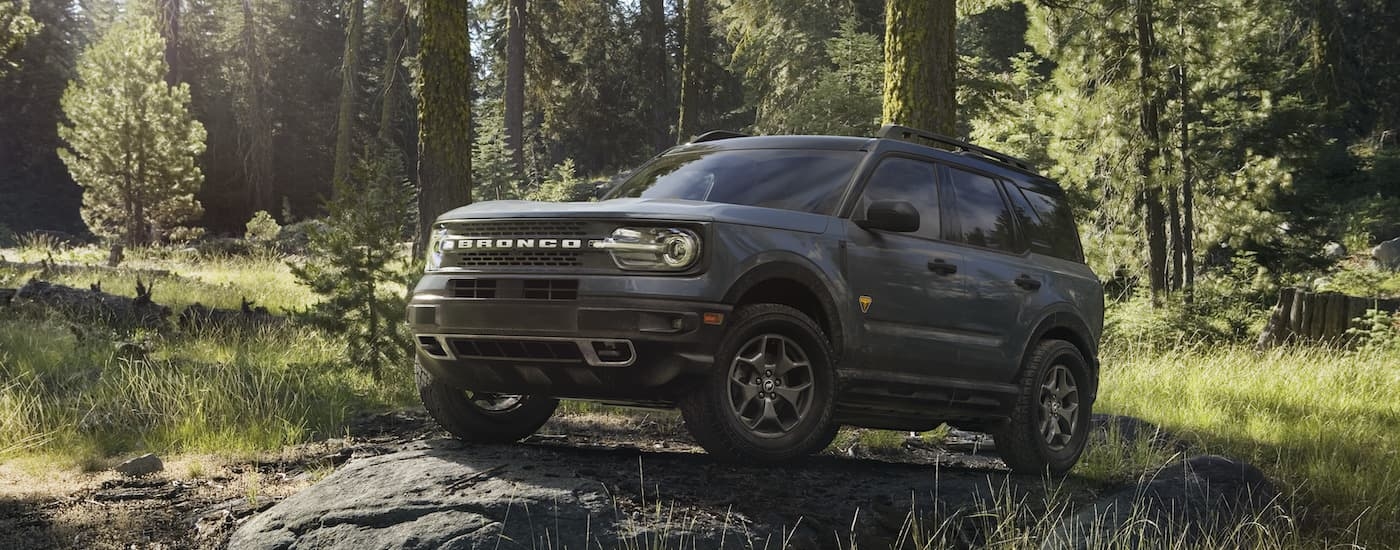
[[643, 209]]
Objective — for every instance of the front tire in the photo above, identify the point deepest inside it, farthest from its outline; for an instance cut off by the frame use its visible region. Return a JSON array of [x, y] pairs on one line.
[[482, 417], [771, 394], [1049, 425]]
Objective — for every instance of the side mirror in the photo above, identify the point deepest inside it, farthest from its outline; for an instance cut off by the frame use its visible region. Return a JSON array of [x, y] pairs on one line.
[[897, 216]]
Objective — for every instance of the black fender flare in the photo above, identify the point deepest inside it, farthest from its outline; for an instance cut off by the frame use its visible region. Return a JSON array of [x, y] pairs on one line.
[[1067, 323], [810, 279]]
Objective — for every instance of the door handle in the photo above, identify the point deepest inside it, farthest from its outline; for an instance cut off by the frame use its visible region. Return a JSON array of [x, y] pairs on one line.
[[1026, 282], [942, 268]]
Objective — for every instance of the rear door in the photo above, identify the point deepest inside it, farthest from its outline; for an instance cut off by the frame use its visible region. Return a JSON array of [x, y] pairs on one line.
[[1005, 286], [908, 283]]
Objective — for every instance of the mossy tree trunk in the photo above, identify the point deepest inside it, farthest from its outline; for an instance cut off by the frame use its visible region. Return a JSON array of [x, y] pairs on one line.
[[349, 73], [921, 64], [444, 111], [692, 60]]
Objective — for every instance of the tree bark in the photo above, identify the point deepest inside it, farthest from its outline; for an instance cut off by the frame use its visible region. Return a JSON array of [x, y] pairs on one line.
[[921, 64], [393, 54], [444, 112], [692, 59], [349, 72], [656, 71], [1188, 200], [1151, 151], [515, 83], [170, 31], [256, 141]]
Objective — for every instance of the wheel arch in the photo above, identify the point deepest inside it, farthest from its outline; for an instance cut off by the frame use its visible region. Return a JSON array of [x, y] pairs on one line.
[[791, 284], [1065, 325]]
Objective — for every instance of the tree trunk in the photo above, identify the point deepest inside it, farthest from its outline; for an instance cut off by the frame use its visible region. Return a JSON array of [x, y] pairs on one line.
[[515, 84], [1174, 232], [1188, 176], [692, 59], [349, 71], [1149, 118], [393, 55], [256, 142], [444, 112], [1326, 52], [170, 31], [656, 71], [921, 64]]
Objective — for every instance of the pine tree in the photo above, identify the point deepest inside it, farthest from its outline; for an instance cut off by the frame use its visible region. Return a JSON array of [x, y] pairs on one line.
[[443, 88], [132, 144], [354, 261], [692, 60], [349, 83]]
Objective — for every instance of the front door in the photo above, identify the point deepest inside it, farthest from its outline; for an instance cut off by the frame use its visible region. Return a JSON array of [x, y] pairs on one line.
[[907, 283]]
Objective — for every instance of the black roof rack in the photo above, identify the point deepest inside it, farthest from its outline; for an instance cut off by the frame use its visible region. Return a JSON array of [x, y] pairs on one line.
[[894, 131], [716, 135]]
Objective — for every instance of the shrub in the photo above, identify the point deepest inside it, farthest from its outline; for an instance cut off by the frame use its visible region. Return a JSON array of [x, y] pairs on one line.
[[262, 228], [563, 185]]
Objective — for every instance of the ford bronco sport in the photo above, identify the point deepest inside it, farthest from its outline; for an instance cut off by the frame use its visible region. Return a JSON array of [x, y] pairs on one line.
[[774, 288]]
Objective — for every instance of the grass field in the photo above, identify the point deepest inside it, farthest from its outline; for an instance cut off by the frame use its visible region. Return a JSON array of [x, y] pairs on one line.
[[1324, 423]]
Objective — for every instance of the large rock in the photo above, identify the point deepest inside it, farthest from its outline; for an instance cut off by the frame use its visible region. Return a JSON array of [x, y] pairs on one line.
[[1387, 254], [1196, 501], [445, 494]]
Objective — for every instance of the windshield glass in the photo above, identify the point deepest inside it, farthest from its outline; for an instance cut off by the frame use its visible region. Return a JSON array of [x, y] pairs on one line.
[[790, 179]]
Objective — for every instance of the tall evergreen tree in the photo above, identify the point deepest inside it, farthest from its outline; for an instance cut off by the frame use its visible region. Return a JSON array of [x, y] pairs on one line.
[[921, 64], [256, 143], [654, 68], [16, 26], [349, 83], [444, 110], [693, 58], [132, 143], [515, 82]]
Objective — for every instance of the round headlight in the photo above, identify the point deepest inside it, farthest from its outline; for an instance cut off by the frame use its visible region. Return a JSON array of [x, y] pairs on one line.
[[679, 250]]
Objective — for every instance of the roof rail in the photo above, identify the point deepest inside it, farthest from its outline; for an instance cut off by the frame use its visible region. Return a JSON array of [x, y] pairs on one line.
[[894, 131], [716, 135]]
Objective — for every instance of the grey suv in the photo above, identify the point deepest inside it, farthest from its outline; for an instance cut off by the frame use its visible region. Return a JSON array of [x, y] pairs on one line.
[[775, 288]]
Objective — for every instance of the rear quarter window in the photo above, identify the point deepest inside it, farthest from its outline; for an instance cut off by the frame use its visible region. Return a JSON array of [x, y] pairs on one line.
[[1049, 226]]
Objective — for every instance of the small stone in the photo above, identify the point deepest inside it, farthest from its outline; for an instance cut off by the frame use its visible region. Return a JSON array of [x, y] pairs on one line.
[[1334, 251], [142, 465]]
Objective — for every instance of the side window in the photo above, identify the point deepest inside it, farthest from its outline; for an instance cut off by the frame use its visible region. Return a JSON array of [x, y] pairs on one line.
[[984, 218], [902, 179], [1054, 232]]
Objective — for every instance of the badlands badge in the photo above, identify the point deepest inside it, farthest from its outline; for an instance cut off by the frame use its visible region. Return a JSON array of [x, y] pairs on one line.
[[865, 302]]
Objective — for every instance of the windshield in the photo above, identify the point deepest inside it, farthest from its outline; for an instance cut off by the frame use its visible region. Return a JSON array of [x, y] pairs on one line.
[[791, 179]]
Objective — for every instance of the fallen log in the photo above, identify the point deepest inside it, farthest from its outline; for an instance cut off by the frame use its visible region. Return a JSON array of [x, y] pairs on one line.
[[93, 305], [248, 316]]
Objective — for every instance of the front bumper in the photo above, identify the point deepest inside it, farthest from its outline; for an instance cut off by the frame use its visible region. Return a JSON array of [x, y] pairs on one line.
[[587, 347]]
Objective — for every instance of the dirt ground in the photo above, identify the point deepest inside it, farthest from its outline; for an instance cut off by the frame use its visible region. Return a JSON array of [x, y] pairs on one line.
[[198, 501]]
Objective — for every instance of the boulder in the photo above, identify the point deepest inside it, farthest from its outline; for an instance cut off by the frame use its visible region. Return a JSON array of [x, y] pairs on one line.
[[142, 465], [1334, 251], [1198, 501], [446, 494], [1387, 254]]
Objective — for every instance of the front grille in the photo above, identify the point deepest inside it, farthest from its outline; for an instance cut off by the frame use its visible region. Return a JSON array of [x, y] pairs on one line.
[[520, 258], [550, 289], [518, 350], [472, 288], [523, 228]]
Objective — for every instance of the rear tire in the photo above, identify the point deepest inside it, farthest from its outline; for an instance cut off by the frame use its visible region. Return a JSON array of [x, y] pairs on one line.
[[481, 417], [772, 392], [1049, 425]]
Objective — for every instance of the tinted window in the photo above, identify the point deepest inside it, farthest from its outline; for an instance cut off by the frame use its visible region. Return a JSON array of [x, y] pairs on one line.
[[901, 179], [983, 216], [1051, 227], [790, 179]]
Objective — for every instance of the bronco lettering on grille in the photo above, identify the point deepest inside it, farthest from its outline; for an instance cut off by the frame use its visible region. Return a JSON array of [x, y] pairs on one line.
[[515, 244]]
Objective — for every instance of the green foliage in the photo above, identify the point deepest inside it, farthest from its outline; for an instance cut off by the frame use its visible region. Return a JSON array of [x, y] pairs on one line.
[[1229, 306], [844, 98], [16, 26], [563, 185], [1379, 332], [132, 144], [493, 173], [262, 228], [355, 265]]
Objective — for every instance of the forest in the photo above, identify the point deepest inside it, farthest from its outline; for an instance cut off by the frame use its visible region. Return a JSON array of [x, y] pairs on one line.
[[1219, 155]]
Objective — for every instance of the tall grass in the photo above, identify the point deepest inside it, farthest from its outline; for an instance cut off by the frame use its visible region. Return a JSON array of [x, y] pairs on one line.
[[1324, 423]]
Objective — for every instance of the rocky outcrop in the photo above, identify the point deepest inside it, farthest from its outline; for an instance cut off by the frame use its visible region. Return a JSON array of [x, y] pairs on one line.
[[445, 494], [1387, 254]]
